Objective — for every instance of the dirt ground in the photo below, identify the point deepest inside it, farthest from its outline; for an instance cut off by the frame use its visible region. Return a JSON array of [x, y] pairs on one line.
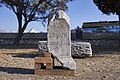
[[18, 64]]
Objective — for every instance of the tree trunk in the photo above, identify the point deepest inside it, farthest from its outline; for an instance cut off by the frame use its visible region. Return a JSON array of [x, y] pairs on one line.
[[18, 37], [19, 17], [20, 33], [20, 27]]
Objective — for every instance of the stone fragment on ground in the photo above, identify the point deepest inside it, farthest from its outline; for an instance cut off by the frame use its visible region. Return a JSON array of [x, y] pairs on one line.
[[78, 49]]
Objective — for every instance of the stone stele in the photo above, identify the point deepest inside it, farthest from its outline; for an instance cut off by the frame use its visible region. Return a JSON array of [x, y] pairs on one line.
[[59, 40]]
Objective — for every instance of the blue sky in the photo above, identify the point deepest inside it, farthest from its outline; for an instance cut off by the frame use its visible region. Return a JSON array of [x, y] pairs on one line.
[[79, 11]]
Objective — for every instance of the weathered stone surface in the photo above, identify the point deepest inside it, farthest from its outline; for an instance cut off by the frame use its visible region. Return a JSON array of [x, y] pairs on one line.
[[81, 49], [60, 15], [78, 49], [42, 45], [59, 41]]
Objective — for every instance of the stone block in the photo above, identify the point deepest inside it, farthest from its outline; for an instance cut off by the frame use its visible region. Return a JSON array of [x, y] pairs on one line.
[[81, 49], [78, 49]]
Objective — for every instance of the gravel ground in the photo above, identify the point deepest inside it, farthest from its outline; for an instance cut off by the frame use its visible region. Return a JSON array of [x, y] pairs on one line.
[[18, 64]]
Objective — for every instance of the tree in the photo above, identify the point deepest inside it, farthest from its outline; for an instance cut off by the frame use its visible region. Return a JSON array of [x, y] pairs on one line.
[[108, 6], [32, 10]]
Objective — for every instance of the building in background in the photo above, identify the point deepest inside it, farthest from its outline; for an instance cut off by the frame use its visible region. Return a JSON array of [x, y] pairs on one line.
[[102, 26]]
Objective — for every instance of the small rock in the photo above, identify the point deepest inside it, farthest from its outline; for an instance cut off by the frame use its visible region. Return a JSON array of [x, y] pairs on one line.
[[51, 77], [105, 76]]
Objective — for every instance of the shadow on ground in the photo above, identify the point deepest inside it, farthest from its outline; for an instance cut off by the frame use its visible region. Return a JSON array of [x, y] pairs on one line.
[[106, 52], [13, 70], [26, 55], [95, 54]]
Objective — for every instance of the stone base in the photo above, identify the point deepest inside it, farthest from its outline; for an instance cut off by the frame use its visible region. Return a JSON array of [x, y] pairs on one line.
[[55, 72], [45, 66]]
